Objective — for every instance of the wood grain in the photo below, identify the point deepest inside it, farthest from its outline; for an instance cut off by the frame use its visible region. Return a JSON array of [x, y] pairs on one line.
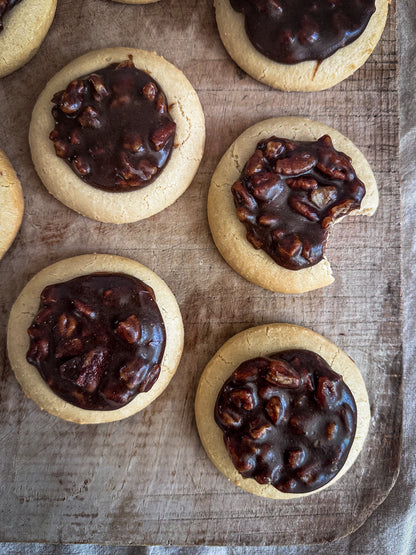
[[147, 480]]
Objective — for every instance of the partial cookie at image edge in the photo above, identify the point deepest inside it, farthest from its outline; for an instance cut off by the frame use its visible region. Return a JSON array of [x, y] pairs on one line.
[[304, 76]]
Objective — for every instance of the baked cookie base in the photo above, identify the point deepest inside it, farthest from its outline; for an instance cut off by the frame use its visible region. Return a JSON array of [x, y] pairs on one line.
[[104, 206], [25, 27], [229, 233], [27, 305], [11, 204], [304, 76], [263, 341]]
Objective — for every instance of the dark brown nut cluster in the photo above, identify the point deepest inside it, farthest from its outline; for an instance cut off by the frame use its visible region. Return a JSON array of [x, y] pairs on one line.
[[287, 420], [6, 6], [291, 31], [113, 128], [98, 340], [289, 194]]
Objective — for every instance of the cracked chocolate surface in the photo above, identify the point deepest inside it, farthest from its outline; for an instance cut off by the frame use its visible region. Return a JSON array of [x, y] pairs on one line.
[[292, 31], [288, 420], [290, 193], [98, 340], [113, 128]]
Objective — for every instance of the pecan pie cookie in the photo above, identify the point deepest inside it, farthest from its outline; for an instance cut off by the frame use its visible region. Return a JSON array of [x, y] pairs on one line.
[[281, 411], [23, 26], [11, 203], [275, 195], [272, 43], [95, 338], [117, 135]]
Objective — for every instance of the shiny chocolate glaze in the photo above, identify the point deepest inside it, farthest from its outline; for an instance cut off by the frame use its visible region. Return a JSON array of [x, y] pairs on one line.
[[292, 31], [288, 420], [113, 128], [98, 340]]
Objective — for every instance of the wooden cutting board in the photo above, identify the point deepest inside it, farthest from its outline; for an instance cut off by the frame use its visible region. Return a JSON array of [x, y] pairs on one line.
[[147, 480]]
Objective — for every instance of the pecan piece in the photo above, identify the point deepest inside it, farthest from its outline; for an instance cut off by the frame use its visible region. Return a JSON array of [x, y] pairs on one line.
[[132, 142], [129, 329], [295, 164], [89, 118], [274, 409], [280, 373], [61, 149], [304, 183], [71, 99], [81, 166], [255, 241], [84, 309], [230, 420], [92, 369], [303, 209], [266, 186], [68, 348], [331, 430], [149, 91], [295, 457], [161, 136], [322, 196], [38, 351], [146, 170], [255, 164], [132, 373], [258, 430], [326, 391], [242, 398], [289, 246], [242, 196], [99, 89], [161, 104], [274, 149], [66, 325]]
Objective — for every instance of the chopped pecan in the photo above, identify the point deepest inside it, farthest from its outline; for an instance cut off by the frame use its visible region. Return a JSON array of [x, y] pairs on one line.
[[129, 329], [161, 136], [282, 374]]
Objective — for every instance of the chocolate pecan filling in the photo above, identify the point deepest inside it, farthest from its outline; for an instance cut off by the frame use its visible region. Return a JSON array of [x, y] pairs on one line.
[[288, 420], [291, 31], [98, 340], [289, 194], [6, 6], [113, 128]]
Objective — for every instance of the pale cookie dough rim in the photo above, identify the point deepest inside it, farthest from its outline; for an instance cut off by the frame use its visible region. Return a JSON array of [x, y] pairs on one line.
[[11, 203], [304, 76], [229, 234], [263, 341], [25, 28], [26, 307], [178, 173]]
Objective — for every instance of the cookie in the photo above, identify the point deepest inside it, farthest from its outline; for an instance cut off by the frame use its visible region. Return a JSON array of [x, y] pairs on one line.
[[229, 233], [11, 202], [263, 341], [25, 27], [310, 75], [64, 183], [26, 308]]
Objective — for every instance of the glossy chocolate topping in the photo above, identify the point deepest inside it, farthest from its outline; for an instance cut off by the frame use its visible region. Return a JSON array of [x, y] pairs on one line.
[[6, 6], [288, 420], [98, 340], [113, 128], [291, 31], [289, 194]]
